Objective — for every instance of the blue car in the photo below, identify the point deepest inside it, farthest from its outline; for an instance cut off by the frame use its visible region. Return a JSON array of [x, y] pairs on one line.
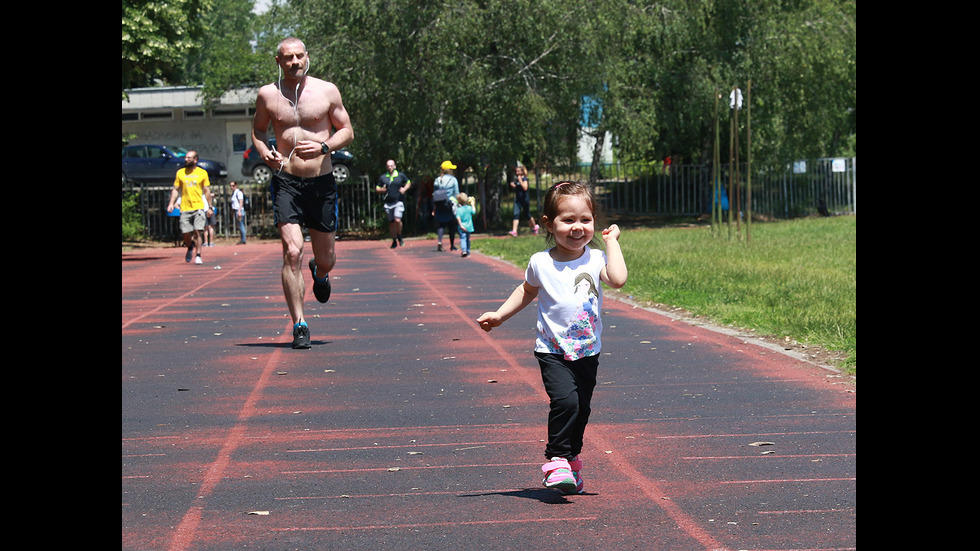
[[159, 163], [253, 167]]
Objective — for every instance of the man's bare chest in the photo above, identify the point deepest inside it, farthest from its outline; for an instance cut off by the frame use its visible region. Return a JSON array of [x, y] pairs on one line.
[[309, 112]]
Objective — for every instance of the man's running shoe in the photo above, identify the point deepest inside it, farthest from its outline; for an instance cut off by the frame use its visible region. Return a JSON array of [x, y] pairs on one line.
[[321, 289], [301, 336], [558, 475], [197, 260], [190, 254]]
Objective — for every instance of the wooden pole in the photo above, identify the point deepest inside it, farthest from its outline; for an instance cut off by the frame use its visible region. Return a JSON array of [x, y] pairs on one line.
[[748, 170], [731, 160], [715, 184], [738, 187]]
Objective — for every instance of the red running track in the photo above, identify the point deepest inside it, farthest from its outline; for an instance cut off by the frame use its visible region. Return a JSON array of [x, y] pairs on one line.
[[408, 427]]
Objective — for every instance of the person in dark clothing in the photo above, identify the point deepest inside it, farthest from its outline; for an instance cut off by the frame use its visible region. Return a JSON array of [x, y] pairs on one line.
[[394, 185]]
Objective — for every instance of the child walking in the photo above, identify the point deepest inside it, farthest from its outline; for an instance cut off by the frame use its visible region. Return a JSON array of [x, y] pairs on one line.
[[465, 209], [565, 279]]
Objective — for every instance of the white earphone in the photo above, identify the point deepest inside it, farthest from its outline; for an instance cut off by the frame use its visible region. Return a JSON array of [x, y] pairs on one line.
[[295, 105]]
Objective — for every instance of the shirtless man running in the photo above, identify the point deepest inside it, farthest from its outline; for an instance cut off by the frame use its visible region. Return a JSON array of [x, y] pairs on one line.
[[309, 121]]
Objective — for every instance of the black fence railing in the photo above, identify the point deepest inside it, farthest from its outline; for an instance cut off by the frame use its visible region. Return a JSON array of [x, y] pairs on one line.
[[356, 209], [821, 186]]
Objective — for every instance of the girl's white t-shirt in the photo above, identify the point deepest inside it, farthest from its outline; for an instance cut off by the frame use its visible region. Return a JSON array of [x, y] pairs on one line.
[[569, 303]]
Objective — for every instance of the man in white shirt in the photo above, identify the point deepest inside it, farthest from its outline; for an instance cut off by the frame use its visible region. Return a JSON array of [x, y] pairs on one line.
[[238, 207]]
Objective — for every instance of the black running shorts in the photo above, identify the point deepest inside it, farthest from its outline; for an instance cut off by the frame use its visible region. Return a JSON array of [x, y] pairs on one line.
[[311, 202]]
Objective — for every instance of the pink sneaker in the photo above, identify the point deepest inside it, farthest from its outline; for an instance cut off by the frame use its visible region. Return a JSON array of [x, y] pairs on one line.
[[558, 474], [576, 465], [513, 233], [536, 229]]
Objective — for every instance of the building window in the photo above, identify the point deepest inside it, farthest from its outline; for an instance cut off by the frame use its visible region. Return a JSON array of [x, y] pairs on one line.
[[224, 113], [157, 116], [238, 143]]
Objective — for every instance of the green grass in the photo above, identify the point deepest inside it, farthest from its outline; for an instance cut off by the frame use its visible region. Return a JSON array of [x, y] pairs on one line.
[[793, 279]]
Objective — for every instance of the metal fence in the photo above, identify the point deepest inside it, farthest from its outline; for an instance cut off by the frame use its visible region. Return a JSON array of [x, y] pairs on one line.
[[357, 206], [821, 186]]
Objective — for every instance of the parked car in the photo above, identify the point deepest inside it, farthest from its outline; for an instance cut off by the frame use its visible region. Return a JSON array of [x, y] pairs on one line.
[[159, 163], [253, 167]]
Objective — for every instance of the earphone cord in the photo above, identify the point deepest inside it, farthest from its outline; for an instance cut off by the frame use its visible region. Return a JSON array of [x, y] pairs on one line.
[[295, 111]]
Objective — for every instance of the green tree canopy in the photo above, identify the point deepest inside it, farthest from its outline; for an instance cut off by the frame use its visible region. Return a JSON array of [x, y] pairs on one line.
[[156, 35], [488, 83], [800, 56]]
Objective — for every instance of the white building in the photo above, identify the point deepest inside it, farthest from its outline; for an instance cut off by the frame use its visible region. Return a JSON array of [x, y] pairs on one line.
[[176, 116], [586, 145]]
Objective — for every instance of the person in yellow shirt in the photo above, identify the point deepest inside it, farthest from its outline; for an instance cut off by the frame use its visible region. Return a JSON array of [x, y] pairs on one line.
[[191, 184]]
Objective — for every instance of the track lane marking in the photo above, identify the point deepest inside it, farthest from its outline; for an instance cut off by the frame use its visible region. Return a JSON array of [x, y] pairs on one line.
[[647, 486], [209, 282]]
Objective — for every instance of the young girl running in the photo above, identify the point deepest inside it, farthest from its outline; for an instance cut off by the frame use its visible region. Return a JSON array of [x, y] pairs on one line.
[[565, 280]]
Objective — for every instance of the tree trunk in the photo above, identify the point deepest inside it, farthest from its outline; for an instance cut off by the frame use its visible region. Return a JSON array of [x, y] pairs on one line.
[[600, 135], [491, 181]]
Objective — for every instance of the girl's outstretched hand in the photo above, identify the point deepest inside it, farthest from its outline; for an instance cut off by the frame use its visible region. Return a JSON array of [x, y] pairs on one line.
[[612, 232], [489, 320], [614, 273]]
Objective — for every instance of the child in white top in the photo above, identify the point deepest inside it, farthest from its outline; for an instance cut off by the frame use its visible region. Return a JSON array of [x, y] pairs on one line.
[[565, 280]]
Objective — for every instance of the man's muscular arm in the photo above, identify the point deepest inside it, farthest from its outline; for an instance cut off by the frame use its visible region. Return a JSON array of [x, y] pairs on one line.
[[343, 133], [260, 127]]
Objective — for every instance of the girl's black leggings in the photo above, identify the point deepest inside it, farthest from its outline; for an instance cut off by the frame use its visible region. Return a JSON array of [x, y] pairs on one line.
[[569, 384]]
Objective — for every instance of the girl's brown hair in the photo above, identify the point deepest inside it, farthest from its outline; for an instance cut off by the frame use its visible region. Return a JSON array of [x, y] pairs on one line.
[[557, 193]]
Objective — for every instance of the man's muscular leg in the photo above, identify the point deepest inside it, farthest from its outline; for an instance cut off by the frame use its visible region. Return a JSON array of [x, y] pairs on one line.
[[323, 251], [292, 269]]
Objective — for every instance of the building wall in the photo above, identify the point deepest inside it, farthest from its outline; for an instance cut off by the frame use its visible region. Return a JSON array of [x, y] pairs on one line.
[[586, 143], [176, 116]]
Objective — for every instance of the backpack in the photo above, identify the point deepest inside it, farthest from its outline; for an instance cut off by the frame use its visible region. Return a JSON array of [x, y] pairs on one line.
[[440, 198], [243, 201]]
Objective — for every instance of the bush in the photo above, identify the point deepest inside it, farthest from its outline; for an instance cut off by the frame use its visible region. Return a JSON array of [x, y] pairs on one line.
[[132, 221]]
